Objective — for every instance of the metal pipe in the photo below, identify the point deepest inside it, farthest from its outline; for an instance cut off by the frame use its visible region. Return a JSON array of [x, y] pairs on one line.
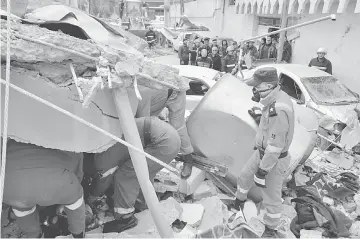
[[332, 17]]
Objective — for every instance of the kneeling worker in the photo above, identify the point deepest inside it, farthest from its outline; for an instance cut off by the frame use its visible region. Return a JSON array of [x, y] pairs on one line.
[[270, 160], [40, 176], [114, 167]]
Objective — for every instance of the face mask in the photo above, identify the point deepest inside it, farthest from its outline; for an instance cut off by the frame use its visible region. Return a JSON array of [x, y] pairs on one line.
[[256, 93]]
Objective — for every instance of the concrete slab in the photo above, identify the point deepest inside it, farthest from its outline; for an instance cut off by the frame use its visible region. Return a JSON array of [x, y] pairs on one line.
[[189, 185], [205, 189], [192, 213]]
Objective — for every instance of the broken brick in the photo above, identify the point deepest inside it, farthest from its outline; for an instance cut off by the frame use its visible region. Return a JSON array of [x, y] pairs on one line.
[[189, 185], [192, 213], [205, 189]]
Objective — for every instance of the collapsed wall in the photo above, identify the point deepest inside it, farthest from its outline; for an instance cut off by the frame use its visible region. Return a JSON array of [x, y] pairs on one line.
[[45, 72]]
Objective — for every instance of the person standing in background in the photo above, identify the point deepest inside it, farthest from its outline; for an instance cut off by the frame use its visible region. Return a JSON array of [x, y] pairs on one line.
[[216, 58], [184, 53], [321, 62], [224, 46], [287, 52], [204, 60], [268, 51]]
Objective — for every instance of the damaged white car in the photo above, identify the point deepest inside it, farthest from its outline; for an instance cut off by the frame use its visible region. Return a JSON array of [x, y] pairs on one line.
[[308, 87]]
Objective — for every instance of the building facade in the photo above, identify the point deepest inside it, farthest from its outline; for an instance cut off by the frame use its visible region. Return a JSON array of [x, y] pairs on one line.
[[242, 19]]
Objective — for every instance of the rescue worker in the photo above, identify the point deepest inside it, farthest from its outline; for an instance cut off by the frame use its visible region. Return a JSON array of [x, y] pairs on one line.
[[216, 58], [224, 46], [43, 177], [236, 49], [207, 44], [270, 160], [152, 104], [150, 37], [230, 61], [184, 53], [267, 51], [194, 51], [114, 167], [321, 62], [204, 60], [287, 53], [214, 43]]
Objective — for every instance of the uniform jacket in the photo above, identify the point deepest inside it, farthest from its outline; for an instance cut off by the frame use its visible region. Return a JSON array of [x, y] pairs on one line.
[[194, 52], [204, 62], [216, 60], [287, 52], [325, 63], [276, 127], [223, 52], [229, 63], [272, 52], [184, 53], [154, 101], [150, 35]]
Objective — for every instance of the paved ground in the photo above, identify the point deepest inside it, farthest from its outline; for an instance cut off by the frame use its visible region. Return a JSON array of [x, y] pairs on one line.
[[168, 59]]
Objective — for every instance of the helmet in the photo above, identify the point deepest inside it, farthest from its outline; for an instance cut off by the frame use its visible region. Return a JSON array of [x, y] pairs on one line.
[[151, 27], [321, 50], [229, 48]]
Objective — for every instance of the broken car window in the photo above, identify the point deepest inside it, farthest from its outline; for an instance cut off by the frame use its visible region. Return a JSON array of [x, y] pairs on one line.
[[328, 90]]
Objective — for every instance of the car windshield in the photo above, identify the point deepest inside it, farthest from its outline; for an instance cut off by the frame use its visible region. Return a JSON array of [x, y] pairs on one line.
[[328, 90]]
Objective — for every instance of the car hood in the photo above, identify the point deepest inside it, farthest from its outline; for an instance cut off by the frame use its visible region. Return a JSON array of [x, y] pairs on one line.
[[338, 112], [204, 75]]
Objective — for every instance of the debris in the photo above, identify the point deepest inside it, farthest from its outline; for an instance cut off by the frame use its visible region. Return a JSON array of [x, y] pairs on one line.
[[328, 201], [310, 234], [235, 220], [216, 213], [166, 181], [257, 226], [192, 214], [222, 183], [339, 158], [250, 210], [187, 232], [357, 202], [288, 211], [300, 177], [205, 189], [189, 185], [349, 206], [355, 229]]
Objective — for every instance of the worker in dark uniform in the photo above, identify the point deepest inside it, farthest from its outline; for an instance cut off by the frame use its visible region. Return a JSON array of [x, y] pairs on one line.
[[268, 165], [224, 46], [216, 58], [44, 177], [207, 44], [194, 51], [184, 53], [321, 62], [268, 51], [204, 60], [230, 61], [214, 43], [114, 167], [150, 37]]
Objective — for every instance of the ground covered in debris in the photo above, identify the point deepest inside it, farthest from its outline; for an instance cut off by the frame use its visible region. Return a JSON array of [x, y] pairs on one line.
[[322, 200]]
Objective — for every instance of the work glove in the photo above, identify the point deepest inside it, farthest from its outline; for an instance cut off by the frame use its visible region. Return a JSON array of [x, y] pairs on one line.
[[259, 178]]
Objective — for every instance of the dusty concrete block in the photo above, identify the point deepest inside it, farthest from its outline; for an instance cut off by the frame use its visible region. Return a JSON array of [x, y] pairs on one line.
[[216, 213], [311, 234], [355, 229], [189, 185], [288, 211], [349, 206], [192, 213], [257, 226], [187, 232], [170, 210], [250, 210], [328, 200], [204, 190], [166, 181]]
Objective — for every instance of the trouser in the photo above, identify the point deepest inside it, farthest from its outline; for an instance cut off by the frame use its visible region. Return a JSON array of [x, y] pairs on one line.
[[272, 193], [193, 63], [26, 188], [184, 62], [115, 165]]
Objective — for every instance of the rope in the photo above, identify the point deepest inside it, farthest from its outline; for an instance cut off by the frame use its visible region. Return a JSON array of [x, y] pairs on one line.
[[6, 109], [77, 118]]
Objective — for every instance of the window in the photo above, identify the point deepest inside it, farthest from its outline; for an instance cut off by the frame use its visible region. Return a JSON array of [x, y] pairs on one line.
[[289, 86], [271, 22], [231, 2]]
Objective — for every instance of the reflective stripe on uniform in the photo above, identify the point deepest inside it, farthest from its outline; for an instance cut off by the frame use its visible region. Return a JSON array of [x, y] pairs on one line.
[[76, 204], [180, 128], [273, 216], [124, 211], [241, 190], [230, 65], [109, 172], [24, 213], [273, 149], [259, 180]]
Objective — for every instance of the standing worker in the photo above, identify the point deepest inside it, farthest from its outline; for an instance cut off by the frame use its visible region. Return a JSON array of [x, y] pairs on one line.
[[194, 51], [44, 177], [150, 37], [321, 62], [184, 53], [204, 60], [268, 51], [224, 46], [207, 44], [287, 52], [216, 58], [229, 61], [268, 164]]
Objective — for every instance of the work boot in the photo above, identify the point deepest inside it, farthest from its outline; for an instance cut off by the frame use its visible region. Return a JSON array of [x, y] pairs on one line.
[[98, 204], [186, 170], [121, 223], [269, 233], [80, 235]]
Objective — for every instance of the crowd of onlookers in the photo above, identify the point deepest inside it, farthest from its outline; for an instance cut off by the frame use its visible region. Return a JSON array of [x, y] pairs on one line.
[[227, 56]]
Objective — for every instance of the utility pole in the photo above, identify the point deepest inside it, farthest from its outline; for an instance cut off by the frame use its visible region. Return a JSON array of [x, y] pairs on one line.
[[167, 12], [284, 18], [182, 7]]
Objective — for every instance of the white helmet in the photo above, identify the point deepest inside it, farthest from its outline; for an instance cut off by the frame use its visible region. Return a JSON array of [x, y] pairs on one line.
[[321, 50], [229, 48]]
